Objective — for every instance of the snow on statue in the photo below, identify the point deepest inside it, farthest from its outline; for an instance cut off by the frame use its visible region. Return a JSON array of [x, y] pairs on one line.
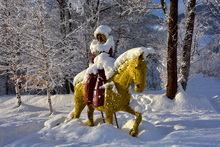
[[104, 86]]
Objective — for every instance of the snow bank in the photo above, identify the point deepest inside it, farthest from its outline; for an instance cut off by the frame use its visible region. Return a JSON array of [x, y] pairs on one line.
[[183, 102], [189, 120], [205, 87], [55, 121], [29, 118]]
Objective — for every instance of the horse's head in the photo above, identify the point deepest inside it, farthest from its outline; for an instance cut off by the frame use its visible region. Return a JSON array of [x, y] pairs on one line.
[[138, 73], [131, 66]]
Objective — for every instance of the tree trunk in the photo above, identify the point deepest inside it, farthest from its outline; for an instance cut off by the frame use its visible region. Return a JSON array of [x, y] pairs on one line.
[[48, 86], [69, 18], [62, 7], [49, 101], [67, 86], [47, 66], [48, 89], [18, 94], [72, 87], [7, 79], [185, 67], [16, 84], [172, 51]]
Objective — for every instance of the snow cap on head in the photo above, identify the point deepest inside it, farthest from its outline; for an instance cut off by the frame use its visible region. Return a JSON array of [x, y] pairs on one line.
[[103, 29]]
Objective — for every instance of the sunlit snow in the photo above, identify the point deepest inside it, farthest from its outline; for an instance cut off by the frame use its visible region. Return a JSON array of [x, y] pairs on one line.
[[192, 119]]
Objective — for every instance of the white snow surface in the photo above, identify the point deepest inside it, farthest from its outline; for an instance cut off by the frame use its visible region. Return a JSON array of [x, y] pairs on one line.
[[192, 119]]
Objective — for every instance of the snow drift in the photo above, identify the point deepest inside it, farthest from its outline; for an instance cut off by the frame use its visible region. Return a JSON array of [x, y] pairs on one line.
[[192, 119]]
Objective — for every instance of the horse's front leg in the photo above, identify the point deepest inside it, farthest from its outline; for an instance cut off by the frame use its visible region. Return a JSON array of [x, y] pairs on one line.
[[138, 115]]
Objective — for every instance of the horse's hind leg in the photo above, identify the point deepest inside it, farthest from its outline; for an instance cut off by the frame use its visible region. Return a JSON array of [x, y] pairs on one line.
[[79, 104], [109, 117], [90, 112], [138, 115], [75, 113], [78, 109]]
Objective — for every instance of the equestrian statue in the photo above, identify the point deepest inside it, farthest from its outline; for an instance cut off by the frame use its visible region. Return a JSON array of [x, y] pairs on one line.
[[105, 85]]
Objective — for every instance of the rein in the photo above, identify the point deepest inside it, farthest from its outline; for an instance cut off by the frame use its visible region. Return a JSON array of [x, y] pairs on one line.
[[116, 120]]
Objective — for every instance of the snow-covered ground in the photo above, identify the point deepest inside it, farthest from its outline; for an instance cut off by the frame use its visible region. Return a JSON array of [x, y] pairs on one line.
[[192, 119]]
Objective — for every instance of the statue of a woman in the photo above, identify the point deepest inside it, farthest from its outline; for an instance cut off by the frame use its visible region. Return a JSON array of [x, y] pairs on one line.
[[102, 49]]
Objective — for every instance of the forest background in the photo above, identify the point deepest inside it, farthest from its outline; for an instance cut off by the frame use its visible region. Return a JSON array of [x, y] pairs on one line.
[[45, 43]]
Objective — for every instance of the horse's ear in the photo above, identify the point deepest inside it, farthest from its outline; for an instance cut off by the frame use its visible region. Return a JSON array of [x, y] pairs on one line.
[[149, 55], [141, 56]]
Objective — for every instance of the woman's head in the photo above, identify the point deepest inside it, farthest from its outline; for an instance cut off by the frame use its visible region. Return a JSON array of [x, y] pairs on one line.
[[101, 37], [102, 33]]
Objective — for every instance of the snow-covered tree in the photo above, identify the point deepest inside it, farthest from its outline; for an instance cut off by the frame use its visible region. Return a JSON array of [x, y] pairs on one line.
[[205, 40], [153, 75], [54, 56], [57, 34], [44, 63], [72, 54], [11, 44]]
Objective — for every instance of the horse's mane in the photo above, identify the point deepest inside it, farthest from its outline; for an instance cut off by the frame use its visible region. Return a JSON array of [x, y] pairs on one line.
[[132, 54]]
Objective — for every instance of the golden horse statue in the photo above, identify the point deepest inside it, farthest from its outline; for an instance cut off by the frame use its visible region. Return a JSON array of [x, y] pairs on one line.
[[117, 94]]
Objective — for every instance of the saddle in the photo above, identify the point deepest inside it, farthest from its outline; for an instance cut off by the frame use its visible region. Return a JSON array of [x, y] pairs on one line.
[[94, 93]]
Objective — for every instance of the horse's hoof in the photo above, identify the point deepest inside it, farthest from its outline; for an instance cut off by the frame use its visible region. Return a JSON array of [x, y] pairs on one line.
[[89, 124], [67, 120], [133, 133]]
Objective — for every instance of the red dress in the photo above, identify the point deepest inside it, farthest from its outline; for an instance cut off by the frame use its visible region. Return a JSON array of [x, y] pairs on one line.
[[93, 93]]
